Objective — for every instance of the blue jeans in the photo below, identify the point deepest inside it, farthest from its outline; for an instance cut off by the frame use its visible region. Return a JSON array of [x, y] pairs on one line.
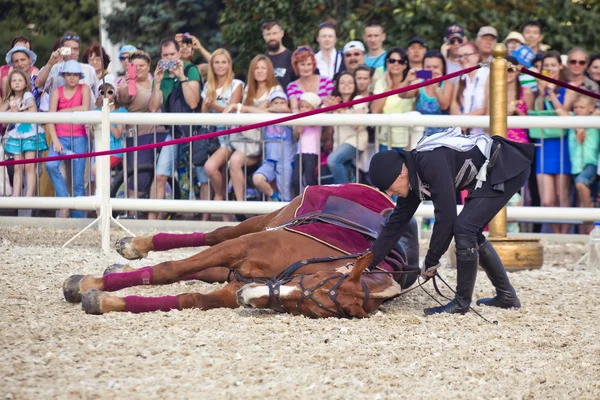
[[337, 162], [77, 145]]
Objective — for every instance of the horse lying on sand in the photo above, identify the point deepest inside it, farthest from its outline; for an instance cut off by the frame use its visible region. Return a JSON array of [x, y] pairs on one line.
[[305, 258]]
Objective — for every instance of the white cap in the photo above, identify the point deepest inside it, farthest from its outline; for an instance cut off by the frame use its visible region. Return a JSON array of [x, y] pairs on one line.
[[355, 44]]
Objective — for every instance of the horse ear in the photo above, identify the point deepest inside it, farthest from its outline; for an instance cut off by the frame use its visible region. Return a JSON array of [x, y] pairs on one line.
[[361, 264]]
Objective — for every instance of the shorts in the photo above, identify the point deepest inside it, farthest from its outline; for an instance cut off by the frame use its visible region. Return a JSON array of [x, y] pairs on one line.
[[587, 176], [167, 159], [281, 174], [20, 146]]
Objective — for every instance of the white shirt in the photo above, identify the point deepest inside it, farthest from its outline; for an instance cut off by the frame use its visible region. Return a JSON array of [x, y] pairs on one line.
[[474, 93], [327, 70]]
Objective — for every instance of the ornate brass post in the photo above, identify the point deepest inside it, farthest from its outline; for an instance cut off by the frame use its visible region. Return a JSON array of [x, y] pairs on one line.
[[516, 253], [498, 106]]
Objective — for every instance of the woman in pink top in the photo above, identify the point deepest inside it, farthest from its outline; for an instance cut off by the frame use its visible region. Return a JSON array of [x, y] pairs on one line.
[[305, 66], [67, 138]]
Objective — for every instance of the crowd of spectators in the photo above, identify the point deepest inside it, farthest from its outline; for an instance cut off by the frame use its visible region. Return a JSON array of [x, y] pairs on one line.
[[278, 161]]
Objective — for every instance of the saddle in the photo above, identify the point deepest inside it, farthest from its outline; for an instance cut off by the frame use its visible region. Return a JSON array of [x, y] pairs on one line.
[[345, 214]]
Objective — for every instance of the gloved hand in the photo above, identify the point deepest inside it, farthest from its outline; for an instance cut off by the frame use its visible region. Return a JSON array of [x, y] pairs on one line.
[[428, 273]]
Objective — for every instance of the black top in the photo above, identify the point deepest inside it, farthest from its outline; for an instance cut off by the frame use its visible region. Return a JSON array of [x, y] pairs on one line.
[[282, 63], [443, 172]]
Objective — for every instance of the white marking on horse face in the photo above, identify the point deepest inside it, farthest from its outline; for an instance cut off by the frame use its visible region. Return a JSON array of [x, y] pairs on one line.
[[252, 291], [391, 291]]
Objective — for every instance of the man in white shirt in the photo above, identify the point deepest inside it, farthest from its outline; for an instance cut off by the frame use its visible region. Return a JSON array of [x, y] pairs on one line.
[[329, 60], [49, 77]]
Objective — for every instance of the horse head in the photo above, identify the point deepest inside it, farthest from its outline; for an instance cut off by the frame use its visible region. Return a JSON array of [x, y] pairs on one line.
[[325, 293]]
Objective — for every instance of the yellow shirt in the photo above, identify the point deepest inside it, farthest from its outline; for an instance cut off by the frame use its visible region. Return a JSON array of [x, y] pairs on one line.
[[394, 105]]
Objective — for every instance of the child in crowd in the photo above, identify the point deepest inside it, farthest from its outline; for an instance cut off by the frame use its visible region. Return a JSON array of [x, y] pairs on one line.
[[584, 145], [108, 90], [24, 140], [309, 141], [69, 138], [278, 157]]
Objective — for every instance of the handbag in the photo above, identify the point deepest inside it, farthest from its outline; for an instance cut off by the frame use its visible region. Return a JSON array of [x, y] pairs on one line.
[[202, 149], [546, 133]]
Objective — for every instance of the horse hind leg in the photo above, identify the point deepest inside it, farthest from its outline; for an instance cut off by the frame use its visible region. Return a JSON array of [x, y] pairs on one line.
[[134, 248], [225, 254], [99, 302], [211, 275]]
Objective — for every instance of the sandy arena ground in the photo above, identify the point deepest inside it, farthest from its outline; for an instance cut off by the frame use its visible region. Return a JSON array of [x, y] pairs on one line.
[[51, 349]]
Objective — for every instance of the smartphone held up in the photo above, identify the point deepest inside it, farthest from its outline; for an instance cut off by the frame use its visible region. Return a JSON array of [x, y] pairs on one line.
[[424, 74], [167, 64], [132, 72]]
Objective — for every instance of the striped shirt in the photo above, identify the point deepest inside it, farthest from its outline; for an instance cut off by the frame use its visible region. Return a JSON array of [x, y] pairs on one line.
[[294, 91]]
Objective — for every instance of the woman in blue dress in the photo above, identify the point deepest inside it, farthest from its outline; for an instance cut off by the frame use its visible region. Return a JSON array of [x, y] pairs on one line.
[[553, 166]]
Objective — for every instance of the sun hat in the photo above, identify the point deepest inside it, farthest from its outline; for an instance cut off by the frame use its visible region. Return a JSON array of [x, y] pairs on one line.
[[21, 49], [278, 94], [128, 48], [354, 44], [311, 98], [71, 67], [514, 36]]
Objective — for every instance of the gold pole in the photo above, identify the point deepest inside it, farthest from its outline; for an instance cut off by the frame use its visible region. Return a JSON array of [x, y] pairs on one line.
[[498, 125], [515, 253]]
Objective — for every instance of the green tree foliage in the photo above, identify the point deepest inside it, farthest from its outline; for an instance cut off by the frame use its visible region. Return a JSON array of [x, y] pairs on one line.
[[44, 21], [568, 23], [145, 23]]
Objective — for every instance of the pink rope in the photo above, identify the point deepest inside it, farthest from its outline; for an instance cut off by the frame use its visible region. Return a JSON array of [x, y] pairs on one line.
[[560, 83], [245, 127]]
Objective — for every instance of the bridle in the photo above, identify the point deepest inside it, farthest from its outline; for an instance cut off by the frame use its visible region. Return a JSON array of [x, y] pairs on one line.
[[288, 275]]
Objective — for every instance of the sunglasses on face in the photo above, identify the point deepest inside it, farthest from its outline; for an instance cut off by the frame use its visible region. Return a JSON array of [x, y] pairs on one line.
[[123, 58], [396, 60], [356, 54], [456, 41], [109, 92], [576, 62]]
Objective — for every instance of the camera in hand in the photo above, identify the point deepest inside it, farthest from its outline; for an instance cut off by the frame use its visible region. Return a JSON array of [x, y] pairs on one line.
[[187, 38], [65, 51], [167, 64], [424, 74]]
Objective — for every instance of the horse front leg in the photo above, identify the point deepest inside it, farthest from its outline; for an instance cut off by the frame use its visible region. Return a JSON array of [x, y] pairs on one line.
[[133, 248], [98, 302], [227, 254]]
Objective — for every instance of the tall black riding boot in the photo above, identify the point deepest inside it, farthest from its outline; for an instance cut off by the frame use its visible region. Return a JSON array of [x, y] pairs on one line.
[[466, 265], [506, 297]]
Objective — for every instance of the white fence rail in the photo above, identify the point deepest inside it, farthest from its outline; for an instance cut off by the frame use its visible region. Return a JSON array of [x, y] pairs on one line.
[[405, 120]]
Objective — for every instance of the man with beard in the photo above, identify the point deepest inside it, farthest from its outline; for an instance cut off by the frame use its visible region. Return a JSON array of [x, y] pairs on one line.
[[280, 56]]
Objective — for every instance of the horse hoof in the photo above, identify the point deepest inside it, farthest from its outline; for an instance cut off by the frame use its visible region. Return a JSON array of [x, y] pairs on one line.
[[111, 269], [126, 249], [71, 288], [91, 302]]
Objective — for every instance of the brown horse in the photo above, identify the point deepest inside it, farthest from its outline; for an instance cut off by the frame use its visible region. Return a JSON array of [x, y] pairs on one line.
[[271, 265]]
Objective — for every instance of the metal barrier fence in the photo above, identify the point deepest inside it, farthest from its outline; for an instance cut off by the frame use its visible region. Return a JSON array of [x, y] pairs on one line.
[[131, 196]]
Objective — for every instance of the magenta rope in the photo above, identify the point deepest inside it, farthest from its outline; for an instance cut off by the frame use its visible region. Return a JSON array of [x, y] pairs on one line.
[[244, 127], [560, 83]]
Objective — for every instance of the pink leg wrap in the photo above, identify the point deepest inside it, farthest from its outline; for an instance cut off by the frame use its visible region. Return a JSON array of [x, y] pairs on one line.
[[114, 282], [168, 241], [137, 304]]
